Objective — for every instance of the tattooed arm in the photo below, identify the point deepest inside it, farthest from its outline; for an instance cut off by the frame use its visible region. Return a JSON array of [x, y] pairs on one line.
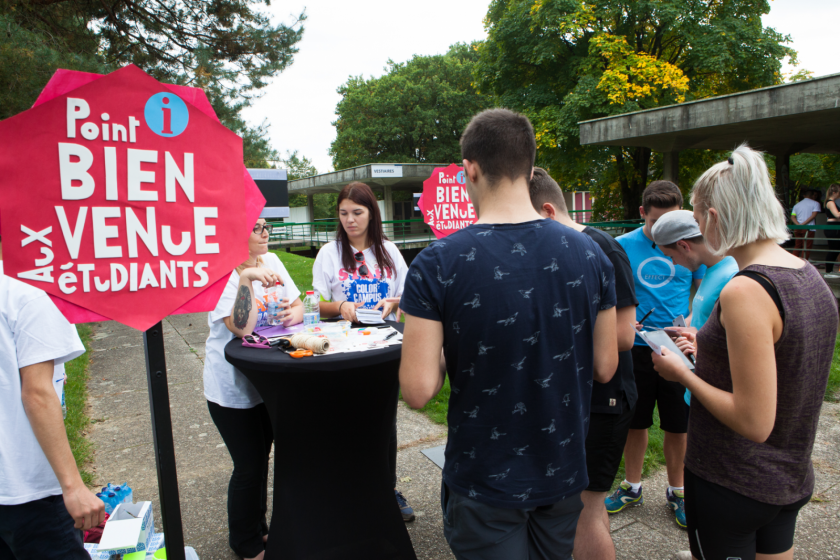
[[243, 316]]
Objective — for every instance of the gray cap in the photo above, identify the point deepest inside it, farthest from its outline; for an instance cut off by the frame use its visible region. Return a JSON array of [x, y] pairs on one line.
[[674, 226]]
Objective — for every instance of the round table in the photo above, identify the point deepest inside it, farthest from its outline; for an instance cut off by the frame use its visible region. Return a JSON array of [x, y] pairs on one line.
[[332, 418]]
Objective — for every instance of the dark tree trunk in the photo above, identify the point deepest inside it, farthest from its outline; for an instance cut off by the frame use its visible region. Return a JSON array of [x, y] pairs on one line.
[[633, 187]]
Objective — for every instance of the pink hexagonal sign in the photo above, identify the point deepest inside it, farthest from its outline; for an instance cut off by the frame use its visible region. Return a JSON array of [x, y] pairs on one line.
[[123, 198]]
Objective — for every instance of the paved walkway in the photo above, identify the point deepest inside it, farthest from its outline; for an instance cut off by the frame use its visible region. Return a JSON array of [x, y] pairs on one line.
[[122, 435]]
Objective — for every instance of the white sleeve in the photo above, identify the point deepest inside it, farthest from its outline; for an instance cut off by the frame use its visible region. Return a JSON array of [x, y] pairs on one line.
[[225, 306], [401, 272], [42, 333], [321, 274]]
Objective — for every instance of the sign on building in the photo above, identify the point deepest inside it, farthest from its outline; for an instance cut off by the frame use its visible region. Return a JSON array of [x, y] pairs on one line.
[[386, 171]]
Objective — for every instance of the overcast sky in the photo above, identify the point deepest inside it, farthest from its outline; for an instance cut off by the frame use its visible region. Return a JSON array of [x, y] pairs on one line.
[[344, 39]]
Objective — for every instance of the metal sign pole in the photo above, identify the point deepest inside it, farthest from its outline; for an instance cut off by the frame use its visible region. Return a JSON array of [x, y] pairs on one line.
[[170, 506]]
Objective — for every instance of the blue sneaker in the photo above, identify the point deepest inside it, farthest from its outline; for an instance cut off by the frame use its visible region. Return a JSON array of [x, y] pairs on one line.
[[623, 497], [676, 500], [405, 509]]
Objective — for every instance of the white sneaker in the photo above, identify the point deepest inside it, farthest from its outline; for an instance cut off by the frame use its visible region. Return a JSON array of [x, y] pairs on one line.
[[684, 555]]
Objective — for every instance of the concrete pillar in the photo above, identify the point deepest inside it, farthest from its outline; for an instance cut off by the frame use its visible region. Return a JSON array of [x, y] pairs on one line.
[[388, 199], [310, 208], [783, 180], [671, 167]]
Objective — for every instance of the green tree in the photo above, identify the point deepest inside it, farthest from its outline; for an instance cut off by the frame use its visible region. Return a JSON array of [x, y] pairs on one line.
[[565, 61], [297, 167], [229, 48], [414, 113]]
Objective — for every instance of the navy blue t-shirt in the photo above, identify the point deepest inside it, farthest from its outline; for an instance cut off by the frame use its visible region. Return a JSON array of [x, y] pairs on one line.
[[518, 303]]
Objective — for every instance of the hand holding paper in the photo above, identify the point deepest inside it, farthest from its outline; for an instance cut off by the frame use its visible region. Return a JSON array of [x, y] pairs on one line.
[[670, 365]]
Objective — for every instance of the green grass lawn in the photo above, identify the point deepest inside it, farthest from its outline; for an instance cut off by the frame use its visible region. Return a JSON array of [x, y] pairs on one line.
[[831, 392], [300, 269], [75, 399]]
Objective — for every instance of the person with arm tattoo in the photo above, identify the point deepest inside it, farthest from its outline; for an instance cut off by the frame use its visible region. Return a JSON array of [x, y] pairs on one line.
[[235, 406]]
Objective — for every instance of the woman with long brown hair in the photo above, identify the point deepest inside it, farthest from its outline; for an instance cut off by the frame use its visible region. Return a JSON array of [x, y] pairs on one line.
[[361, 268]]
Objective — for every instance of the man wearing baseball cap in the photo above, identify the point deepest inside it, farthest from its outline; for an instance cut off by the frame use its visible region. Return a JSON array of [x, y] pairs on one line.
[[678, 236]]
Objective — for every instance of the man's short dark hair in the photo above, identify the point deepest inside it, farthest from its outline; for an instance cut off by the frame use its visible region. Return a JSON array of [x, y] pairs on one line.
[[695, 240], [661, 194], [502, 143], [545, 189]]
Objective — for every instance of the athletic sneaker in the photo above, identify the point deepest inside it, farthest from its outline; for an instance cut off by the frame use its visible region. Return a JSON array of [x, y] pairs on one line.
[[405, 509], [623, 497], [677, 502]]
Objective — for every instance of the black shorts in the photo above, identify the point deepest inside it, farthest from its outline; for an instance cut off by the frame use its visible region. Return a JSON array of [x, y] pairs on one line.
[[724, 524], [605, 446], [653, 390]]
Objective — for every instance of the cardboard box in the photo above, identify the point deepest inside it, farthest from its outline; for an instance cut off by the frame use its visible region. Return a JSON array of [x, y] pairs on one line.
[[157, 542], [130, 528]]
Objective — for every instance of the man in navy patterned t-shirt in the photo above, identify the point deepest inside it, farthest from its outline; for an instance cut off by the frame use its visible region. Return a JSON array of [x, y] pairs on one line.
[[524, 310]]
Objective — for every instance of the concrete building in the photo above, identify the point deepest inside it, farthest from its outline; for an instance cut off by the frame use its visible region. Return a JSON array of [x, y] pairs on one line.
[[783, 120]]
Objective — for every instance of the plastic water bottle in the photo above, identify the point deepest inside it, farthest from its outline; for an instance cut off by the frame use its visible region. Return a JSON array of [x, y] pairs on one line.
[[273, 295], [311, 309]]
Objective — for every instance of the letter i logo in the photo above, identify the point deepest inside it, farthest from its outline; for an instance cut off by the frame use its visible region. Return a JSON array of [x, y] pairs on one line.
[[166, 114], [167, 117]]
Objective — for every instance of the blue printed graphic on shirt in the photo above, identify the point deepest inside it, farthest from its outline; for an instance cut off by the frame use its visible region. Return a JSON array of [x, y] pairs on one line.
[[660, 283], [369, 291], [518, 304]]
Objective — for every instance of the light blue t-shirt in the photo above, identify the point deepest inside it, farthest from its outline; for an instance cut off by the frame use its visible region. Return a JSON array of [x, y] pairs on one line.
[[659, 282], [708, 294], [709, 291]]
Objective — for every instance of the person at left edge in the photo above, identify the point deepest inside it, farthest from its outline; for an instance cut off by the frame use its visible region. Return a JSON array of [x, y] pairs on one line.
[[43, 500], [235, 406], [361, 268]]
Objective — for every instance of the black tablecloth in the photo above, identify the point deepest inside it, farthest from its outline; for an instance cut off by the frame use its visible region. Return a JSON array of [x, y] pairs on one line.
[[332, 419]]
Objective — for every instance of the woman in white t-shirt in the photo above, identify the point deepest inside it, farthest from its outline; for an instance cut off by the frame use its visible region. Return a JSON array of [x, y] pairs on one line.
[[361, 268], [235, 406]]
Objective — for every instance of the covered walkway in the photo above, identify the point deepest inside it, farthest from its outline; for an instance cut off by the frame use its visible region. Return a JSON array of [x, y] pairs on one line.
[[783, 120]]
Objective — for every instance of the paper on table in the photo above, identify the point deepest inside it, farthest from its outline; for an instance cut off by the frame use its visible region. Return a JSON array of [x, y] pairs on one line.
[[361, 343], [369, 316]]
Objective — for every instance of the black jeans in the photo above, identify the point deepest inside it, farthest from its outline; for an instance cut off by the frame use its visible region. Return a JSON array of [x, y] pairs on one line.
[[392, 451], [833, 238], [40, 530], [248, 435]]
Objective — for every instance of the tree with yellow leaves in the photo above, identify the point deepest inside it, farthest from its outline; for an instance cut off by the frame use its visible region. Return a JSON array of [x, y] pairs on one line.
[[565, 61]]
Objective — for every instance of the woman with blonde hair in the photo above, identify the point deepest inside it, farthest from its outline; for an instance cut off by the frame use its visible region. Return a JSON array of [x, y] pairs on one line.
[[235, 406], [832, 213], [763, 359]]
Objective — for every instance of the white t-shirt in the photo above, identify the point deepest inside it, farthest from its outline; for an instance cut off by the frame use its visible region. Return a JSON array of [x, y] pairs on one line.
[[334, 283], [32, 330], [803, 210], [224, 384]]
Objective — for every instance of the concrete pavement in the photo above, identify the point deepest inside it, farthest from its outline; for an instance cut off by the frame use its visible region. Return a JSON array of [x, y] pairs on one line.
[[121, 432]]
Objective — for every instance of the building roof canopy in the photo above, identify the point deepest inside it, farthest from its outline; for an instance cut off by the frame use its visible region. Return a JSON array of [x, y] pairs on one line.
[[785, 119]]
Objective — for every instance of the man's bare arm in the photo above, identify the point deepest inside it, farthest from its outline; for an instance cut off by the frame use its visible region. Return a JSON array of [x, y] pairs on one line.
[[606, 346], [422, 368], [625, 318], [43, 409]]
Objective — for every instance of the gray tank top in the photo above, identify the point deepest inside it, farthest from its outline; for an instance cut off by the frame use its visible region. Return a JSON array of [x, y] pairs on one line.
[[778, 471]]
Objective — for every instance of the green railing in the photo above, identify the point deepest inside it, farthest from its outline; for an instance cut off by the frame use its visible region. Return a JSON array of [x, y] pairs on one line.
[[314, 234], [411, 232]]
